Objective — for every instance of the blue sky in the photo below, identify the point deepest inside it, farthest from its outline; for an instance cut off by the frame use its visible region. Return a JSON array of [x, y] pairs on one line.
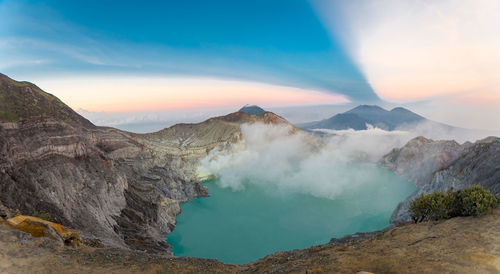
[[440, 58], [279, 42]]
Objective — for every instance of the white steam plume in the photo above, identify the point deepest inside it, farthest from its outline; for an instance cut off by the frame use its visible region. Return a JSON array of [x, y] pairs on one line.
[[287, 163], [272, 158]]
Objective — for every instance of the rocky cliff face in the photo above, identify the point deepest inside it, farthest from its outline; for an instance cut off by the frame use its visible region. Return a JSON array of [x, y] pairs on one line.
[[98, 180], [121, 187], [443, 165], [421, 157]]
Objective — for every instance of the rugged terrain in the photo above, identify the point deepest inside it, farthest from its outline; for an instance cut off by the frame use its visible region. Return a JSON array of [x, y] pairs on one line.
[[459, 245], [120, 187], [122, 191], [443, 165]]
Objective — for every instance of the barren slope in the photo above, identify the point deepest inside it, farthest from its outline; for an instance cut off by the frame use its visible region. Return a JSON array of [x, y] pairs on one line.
[[459, 245]]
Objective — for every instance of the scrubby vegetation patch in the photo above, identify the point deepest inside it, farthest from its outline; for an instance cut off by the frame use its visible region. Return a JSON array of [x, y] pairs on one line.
[[472, 201]]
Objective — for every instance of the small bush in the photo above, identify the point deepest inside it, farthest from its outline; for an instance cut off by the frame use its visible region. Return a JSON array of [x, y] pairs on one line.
[[476, 201], [472, 201], [432, 206]]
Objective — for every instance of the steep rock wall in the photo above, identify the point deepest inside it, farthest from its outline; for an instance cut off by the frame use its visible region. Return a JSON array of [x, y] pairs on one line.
[[98, 180], [122, 187], [443, 165]]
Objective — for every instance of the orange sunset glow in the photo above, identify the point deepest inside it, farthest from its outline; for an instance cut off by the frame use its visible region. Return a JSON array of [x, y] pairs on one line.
[[147, 94]]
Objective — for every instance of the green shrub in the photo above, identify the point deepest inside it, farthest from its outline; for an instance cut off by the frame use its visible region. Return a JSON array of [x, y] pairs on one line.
[[472, 201], [476, 201], [432, 206]]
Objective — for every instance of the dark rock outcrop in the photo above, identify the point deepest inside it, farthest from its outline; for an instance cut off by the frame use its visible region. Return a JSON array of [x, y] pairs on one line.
[[443, 165]]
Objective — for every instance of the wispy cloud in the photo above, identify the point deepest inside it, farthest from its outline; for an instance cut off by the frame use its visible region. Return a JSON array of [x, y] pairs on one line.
[[23, 62], [37, 46]]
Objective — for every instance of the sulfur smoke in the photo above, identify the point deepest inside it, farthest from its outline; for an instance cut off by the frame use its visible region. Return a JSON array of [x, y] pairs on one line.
[[279, 162]]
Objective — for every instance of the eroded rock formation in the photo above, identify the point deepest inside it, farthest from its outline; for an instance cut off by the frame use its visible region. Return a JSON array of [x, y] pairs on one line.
[[121, 187], [443, 165]]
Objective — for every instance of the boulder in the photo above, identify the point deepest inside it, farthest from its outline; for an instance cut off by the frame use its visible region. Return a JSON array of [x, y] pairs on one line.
[[41, 228]]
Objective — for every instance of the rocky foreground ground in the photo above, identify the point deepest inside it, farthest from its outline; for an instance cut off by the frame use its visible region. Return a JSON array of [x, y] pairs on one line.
[[459, 245]]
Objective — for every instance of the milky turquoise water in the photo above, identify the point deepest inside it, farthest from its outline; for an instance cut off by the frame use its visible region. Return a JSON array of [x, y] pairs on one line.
[[242, 226]]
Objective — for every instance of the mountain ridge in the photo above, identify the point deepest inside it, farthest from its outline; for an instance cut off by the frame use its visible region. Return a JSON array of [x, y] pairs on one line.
[[122, 187], [21, 101], [359, 117]]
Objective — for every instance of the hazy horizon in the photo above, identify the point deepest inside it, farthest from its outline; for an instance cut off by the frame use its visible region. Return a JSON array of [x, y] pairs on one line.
[[145, 122]]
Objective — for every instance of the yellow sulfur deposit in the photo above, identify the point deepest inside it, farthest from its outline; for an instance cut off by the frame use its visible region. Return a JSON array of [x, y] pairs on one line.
[[36, 227]]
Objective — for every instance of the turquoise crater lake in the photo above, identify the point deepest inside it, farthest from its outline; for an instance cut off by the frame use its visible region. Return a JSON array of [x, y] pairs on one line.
[[242, 226]]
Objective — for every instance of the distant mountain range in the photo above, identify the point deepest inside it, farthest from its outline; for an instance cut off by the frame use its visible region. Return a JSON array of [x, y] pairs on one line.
[[360, 117]]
